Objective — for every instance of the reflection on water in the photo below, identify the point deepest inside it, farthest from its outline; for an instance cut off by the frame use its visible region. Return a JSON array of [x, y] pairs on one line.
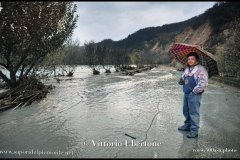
[[188, 147], [102, 108]]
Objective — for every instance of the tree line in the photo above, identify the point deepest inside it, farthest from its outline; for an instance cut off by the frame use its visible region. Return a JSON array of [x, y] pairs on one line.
[[101, 56]]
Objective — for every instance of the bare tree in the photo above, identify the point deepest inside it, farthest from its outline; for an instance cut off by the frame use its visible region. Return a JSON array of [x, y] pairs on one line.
[[108, 59], [91, 56], [136, 57]]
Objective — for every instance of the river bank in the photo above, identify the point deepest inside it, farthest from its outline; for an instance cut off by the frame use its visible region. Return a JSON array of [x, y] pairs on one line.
[[28, 91], [227, 80], [130, 71]]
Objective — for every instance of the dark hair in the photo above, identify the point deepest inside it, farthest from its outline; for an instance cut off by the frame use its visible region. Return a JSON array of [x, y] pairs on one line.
[[193, 54]]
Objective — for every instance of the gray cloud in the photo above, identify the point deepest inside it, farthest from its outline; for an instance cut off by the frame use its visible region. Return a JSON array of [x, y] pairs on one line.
[[116, 20]]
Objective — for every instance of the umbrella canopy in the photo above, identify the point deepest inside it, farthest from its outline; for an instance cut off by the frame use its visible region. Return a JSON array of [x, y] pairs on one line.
[[180, 51]]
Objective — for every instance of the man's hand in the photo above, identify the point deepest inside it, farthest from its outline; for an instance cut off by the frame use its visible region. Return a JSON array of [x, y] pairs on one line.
[[181, 81], [192, 93]]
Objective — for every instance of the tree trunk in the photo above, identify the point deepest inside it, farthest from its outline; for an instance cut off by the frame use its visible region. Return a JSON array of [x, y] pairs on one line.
[[13, 79], [12, 82], [5, 79], [54, 69]]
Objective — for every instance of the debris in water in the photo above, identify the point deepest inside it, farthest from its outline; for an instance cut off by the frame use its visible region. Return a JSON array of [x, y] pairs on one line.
[[130, 136]]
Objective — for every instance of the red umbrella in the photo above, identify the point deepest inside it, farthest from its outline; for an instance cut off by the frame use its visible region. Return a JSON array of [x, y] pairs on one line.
[[180, 51]]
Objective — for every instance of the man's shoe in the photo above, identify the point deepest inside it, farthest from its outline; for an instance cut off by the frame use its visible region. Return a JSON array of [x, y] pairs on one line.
[[192, 135], [184, 128]]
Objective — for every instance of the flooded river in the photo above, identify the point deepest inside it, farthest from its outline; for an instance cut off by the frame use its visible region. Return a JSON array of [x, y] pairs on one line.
[[118, 116]]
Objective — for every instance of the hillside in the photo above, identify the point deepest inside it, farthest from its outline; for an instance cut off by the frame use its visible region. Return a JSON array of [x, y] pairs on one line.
[[212, 30]]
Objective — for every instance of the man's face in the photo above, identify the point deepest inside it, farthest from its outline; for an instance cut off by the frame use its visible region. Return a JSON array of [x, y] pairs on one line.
[[191, 60]]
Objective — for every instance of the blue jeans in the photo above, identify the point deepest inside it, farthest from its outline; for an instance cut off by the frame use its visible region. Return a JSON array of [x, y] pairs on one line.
[[191, 105]]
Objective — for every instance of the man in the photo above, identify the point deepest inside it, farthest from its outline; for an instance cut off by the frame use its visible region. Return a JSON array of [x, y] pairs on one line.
[[194, 80]]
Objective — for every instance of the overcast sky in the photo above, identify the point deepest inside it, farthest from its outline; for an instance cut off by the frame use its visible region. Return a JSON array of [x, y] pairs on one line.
[[116, 20]]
